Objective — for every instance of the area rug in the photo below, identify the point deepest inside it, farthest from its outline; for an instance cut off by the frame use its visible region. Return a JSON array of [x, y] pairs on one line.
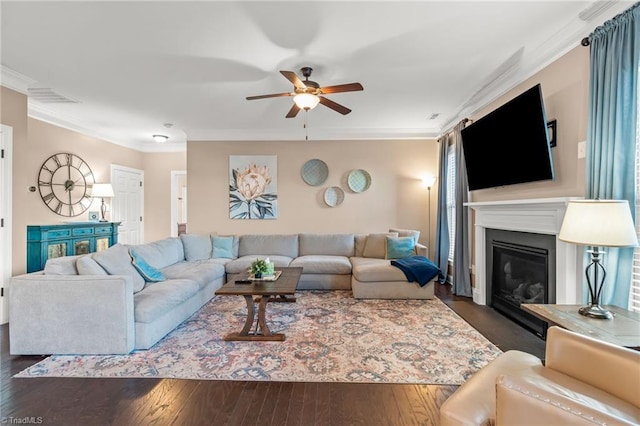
[[330, 337]]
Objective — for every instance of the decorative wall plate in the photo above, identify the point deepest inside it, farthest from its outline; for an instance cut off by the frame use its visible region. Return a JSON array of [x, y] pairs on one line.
[[359, 180], [315, 172], [333, 196]]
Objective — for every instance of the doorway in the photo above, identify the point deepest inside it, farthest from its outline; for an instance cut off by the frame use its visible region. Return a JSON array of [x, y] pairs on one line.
[[178, 202], [127, 205], [6, 223]]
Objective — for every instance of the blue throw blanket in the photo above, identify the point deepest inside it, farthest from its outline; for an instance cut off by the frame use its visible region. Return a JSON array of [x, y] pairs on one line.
[[417, 269]]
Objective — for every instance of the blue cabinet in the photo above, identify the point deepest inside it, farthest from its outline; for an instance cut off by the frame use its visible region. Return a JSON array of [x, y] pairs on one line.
[[67, 239]]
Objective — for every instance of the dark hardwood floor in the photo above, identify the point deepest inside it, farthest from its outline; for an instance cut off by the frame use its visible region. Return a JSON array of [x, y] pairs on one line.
[[111, 401]]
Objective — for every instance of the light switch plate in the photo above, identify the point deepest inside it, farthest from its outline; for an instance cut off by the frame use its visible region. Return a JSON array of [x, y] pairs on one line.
[[582, 149]]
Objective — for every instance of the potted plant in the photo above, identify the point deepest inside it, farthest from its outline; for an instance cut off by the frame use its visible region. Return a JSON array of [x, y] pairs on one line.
[[258, 267]]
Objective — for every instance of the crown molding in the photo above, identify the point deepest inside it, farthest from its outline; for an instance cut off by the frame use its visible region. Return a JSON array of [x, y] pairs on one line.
[[14, 80]]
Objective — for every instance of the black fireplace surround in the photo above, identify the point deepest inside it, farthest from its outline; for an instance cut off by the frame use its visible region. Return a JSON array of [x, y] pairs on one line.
[[521, 268]]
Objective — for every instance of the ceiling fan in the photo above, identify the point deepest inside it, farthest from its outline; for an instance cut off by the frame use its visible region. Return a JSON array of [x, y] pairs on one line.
[[307, 94]]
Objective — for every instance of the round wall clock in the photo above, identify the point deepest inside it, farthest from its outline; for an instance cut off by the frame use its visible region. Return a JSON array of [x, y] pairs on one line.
[[64, 183]]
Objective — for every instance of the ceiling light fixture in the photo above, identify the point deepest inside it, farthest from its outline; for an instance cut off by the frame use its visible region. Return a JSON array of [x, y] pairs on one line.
[[306, 101], [160, 138]]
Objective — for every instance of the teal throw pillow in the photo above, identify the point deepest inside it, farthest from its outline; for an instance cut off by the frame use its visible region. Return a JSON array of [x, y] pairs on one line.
[[148, 272], [400, 247], [223, 247]]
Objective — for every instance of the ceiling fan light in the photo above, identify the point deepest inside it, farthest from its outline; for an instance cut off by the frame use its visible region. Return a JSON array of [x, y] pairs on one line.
[[160, 138], [306, 101]]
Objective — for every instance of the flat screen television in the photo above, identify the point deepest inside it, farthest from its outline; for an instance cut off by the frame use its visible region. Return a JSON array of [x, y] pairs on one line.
[[509, 145]]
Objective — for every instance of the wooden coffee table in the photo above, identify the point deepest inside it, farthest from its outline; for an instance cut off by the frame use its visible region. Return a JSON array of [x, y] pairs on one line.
[[260, 293]]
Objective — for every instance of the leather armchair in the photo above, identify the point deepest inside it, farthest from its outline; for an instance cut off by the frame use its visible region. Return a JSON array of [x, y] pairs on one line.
[[583, 381]]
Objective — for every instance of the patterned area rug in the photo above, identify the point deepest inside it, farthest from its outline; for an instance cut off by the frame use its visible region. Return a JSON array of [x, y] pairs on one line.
[[330, 337]]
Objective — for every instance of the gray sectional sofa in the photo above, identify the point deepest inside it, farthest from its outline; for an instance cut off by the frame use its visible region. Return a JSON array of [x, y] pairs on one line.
[[129, 297]]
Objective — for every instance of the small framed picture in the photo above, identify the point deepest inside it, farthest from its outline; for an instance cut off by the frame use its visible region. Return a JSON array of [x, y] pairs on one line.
[[94, 216]]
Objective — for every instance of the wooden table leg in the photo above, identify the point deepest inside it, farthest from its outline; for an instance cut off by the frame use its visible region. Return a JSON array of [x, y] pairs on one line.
[[262, 331]]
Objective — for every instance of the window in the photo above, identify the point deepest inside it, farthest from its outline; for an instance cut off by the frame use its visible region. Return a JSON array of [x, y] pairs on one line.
[[451, 197], [634, 297]]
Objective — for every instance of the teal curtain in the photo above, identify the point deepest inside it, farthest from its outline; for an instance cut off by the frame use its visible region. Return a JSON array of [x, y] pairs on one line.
[[611, 133], [441, 254]]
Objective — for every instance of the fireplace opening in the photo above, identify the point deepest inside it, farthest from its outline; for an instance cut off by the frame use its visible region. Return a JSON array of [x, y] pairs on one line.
[[520, 269]]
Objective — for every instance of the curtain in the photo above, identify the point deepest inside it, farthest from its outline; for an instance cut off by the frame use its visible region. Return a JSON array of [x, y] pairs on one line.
[[441, 254], [611, 133], [461, 251]]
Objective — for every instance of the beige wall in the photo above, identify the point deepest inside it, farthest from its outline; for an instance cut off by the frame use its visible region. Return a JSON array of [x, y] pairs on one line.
[[34, 141], [395, 198], [565, 88], [157, 192]]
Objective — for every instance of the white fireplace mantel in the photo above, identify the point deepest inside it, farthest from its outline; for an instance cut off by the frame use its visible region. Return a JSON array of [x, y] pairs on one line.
[[541, 216]]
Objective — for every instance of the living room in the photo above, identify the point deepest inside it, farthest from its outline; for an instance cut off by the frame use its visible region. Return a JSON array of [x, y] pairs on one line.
[[396, 197]]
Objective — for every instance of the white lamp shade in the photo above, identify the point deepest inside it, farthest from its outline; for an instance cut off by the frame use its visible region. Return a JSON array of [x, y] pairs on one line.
[[102, 190], [306, 100], [599, 223], [428, 181]]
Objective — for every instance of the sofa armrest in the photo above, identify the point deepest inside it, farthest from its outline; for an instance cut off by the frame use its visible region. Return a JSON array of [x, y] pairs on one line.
[[71, 314], [535, 399], [422, 250], [603, 365]]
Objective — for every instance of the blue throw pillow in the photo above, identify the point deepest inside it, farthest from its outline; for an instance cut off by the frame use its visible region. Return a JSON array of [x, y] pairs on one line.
[[148, 272], [223, 247], [400, 247]]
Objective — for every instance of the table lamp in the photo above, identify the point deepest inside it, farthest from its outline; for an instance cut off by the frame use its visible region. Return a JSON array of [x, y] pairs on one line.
[[598, 223], [102, 190]]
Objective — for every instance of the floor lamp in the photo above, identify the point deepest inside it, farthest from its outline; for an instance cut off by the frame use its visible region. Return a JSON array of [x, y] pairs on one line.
[[598, 223], [102, 190], [428, 181]]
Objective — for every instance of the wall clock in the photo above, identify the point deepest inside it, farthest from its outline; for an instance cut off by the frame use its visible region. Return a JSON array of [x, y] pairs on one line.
[[64, 183]]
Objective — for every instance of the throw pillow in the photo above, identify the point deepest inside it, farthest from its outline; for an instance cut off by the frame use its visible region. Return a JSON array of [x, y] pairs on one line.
[[148, 272], [116, 260], [223, 247], [87, 266], [196, 247], [407, 233], [236, 243], [400, 247], [375, 245]]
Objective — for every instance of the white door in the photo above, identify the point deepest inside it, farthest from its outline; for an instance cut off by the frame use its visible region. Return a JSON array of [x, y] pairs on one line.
[[178, 200], [127, 204], [6, 144]]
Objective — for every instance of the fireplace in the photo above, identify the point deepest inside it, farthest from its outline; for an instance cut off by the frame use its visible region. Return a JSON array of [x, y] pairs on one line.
[[520, 269]]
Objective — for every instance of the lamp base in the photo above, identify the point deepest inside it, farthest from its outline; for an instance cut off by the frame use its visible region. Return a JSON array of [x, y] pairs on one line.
[[595, 311]]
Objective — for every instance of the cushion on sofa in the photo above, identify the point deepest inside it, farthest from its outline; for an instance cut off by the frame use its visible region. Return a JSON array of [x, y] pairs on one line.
[[326, 244], [322, 264], [361, 241], [407, 233], [400, 247], [243, 263], [160, 298], [236, 243], [375, 245], [196, 247], [87, 266], [201, 271], [222, 247], [116, 260], [161, 253], [268, 245], [148, 272], [65, 265], [375, 270]]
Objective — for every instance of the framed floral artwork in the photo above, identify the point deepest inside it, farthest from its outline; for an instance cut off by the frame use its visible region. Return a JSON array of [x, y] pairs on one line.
[[253, 187]]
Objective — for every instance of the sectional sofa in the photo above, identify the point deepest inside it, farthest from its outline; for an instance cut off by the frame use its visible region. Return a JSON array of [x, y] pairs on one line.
[[129, 297]]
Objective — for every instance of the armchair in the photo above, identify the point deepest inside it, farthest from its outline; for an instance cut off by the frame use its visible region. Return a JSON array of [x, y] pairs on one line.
[[583, 381]]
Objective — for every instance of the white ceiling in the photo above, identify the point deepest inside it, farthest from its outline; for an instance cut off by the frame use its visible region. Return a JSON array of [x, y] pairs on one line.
[[134, 66]]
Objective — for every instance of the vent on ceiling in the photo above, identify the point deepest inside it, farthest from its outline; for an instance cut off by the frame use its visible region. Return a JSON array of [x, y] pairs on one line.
[[433, 116], [596, 8], [48, 96]]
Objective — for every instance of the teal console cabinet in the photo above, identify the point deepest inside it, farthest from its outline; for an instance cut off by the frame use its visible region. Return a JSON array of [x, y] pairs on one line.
[[67, 239]]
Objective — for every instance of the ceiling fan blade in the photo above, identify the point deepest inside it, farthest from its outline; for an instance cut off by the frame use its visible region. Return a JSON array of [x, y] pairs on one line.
[[334, 106], [293, 111], [293, 77], [274, 95], [349, 87]]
